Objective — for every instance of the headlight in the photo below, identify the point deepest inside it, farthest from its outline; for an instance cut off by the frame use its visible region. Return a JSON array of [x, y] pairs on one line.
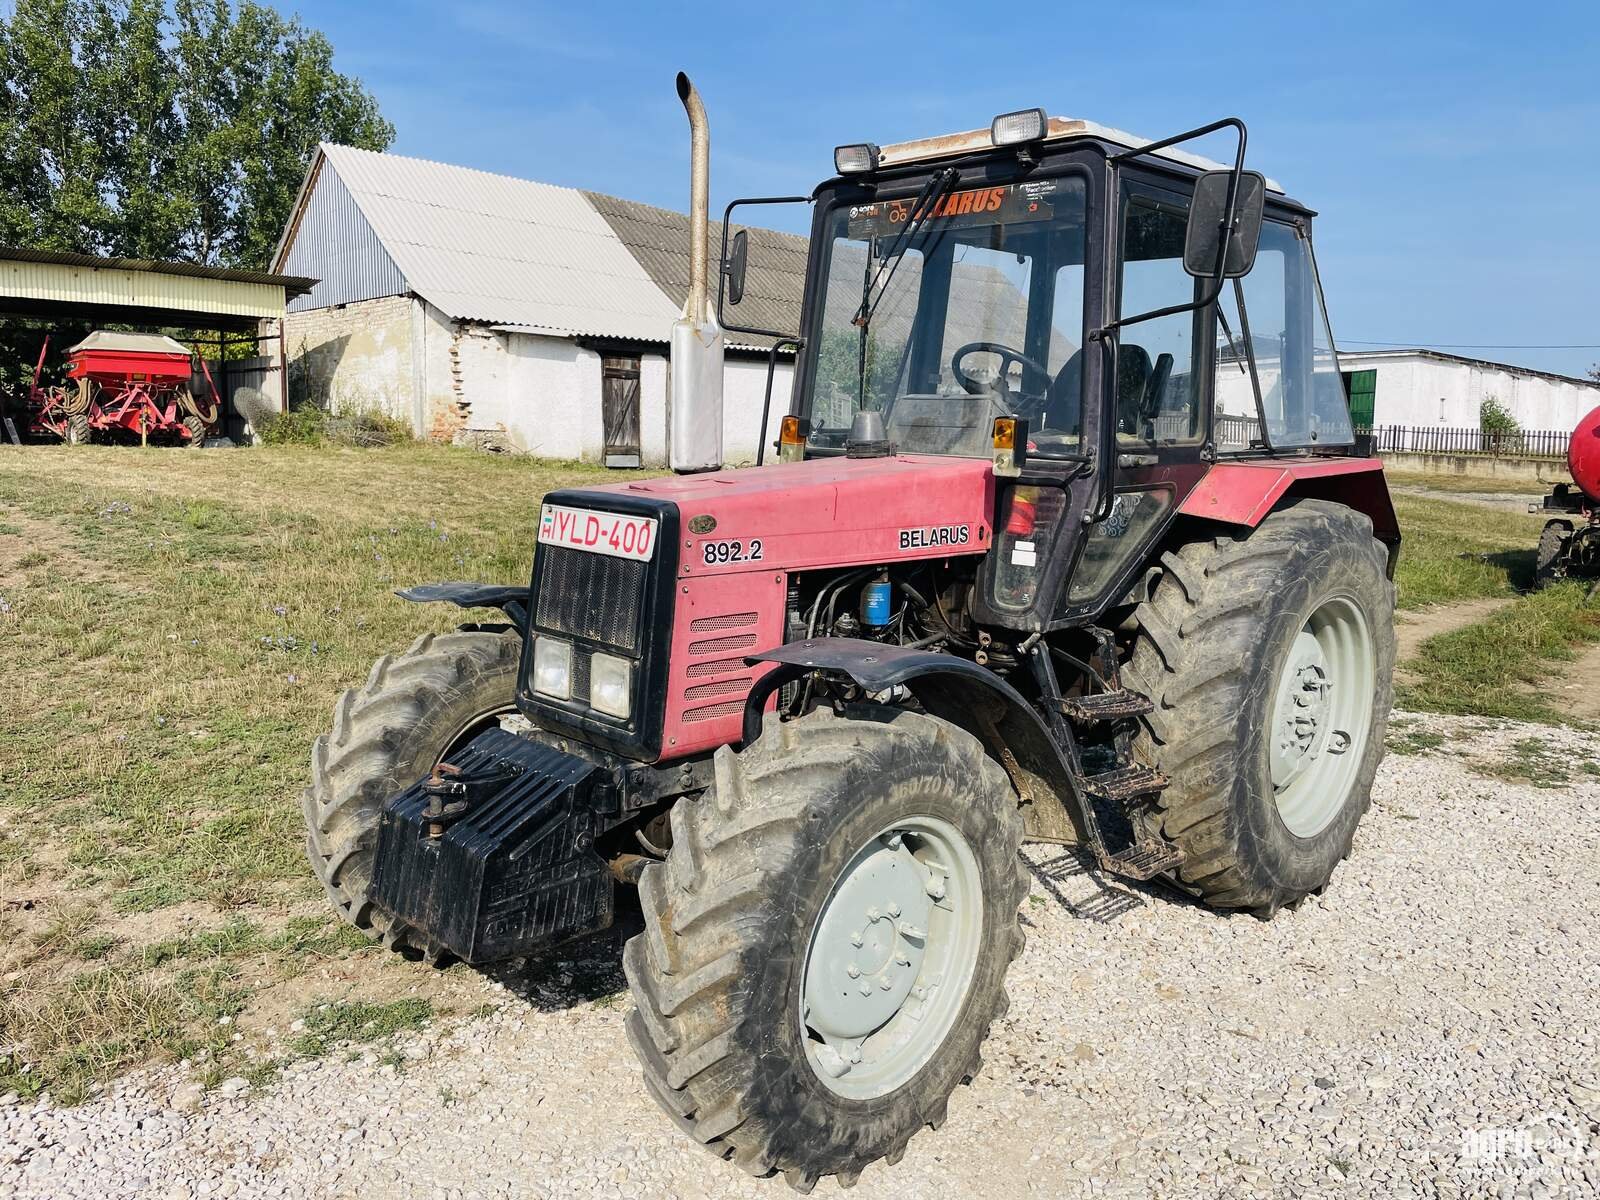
[[552, 668], [610, 685]]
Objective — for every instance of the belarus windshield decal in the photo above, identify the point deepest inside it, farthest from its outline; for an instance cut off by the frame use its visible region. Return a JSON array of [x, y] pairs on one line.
[[980, 206]]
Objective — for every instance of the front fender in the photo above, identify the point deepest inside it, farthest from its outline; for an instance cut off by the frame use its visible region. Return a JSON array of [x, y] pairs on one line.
[[956, 690], [513, 601]]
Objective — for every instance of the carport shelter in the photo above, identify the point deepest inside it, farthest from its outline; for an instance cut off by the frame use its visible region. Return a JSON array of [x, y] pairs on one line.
[[54, 285]]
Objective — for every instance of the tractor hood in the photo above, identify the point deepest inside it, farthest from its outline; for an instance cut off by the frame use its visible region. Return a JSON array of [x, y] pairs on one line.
[[827, 512]]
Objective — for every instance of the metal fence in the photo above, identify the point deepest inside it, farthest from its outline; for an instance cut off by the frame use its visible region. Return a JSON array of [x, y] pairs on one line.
[[1430, 439], [1233, 432]]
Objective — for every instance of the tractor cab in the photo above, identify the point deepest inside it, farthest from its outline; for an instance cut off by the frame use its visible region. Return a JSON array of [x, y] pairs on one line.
[[1071, 282]]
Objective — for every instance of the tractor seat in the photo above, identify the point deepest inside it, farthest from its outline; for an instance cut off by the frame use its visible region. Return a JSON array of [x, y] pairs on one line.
[[1063, 408]]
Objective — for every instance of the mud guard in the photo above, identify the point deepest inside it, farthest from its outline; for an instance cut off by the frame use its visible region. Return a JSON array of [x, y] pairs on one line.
[[956, 690], [513, 601]]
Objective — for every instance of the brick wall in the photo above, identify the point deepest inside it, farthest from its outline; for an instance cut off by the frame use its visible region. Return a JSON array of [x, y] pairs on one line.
[[352, 357]]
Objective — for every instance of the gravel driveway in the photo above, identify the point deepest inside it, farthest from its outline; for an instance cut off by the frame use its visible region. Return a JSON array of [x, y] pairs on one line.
[[1429, 1027]]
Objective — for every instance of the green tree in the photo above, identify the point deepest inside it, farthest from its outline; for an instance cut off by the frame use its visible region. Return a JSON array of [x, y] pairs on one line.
[[165, 128]]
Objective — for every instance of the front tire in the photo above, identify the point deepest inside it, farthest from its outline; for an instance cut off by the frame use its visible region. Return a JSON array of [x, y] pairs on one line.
[[413, 711], [1270, 659], [813, 856]]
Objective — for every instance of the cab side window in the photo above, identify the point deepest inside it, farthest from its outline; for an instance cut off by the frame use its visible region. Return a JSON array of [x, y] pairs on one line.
[[1157, 400]]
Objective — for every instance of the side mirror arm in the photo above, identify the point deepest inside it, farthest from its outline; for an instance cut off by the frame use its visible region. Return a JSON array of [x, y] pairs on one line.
[[723, 267]]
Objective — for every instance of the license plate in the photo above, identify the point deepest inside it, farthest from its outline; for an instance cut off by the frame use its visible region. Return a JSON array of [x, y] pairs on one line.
[[616, 534]]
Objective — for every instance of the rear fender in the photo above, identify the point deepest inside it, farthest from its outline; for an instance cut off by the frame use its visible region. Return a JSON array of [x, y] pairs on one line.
[[1243, 493], [956, 690], [513, 601]]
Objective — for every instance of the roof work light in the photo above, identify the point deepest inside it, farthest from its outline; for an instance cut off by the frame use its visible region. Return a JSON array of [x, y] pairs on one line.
[[855, 160], [1015, 128]]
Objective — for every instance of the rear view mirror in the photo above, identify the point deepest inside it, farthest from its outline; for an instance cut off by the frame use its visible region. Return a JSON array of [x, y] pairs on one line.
[[734, 268], [1202, 243]]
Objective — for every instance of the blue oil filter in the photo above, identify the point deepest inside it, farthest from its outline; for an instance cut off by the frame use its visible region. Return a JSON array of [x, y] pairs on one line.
[[875, 603]]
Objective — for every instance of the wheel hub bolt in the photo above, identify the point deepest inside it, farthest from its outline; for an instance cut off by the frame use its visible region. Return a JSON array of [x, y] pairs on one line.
[[857, 938], [935, 886], [894, 910], [902, 958], [853, 971]]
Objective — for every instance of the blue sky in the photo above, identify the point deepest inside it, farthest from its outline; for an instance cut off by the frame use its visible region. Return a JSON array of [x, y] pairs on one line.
[[1450, 150]]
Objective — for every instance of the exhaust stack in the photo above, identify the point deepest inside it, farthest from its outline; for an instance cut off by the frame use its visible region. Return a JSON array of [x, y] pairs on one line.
[[697, 352]]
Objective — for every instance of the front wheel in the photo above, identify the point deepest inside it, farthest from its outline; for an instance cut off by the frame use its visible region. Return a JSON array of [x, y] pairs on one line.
[[414, 710], [825, 947]]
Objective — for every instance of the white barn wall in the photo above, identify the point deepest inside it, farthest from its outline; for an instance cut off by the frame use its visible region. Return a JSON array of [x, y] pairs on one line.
[[654, 385], [1431, 392], [744, 382], [551, 398]]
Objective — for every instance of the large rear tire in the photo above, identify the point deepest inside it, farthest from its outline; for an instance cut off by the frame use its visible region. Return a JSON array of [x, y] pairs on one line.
[[808, 993], [414, 709], [1270, 659]]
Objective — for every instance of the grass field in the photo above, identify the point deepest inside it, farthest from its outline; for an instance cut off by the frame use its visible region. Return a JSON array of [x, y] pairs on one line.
[[175, 628]]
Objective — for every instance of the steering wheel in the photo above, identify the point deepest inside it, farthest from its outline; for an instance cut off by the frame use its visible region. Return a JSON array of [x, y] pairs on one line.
[[976, 387]]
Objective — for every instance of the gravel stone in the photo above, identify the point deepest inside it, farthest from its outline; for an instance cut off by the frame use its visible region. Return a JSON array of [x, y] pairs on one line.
[[1439, 1000]]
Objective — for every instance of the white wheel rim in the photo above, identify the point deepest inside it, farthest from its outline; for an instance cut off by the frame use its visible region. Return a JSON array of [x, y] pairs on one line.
[[1321, 716], [891, 957]]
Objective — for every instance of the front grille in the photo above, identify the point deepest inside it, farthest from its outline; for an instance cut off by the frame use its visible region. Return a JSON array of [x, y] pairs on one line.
[[592, 596]]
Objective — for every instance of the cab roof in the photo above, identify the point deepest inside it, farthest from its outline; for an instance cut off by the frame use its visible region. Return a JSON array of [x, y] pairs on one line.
[[1057, 130]]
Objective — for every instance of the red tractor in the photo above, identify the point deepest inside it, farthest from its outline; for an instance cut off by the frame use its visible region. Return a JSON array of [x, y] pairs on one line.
[[1009, 581], [1569, 546], [124, 387]]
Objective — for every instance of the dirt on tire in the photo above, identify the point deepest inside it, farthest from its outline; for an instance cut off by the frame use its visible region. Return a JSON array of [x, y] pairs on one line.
[[1211, 642], [716, 976], [414, 708]]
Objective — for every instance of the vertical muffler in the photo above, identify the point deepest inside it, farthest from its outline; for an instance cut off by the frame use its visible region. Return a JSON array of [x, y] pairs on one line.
[[696, 400]]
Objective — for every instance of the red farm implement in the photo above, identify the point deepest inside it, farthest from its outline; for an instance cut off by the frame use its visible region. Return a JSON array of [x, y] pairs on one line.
[[124, 387]]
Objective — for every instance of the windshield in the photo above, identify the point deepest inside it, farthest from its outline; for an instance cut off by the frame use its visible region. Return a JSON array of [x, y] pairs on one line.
[[978, 314]]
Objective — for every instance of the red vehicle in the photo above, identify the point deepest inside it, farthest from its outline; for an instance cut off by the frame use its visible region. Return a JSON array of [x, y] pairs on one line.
[[1569, 546], [126, 387], [1013, 578]]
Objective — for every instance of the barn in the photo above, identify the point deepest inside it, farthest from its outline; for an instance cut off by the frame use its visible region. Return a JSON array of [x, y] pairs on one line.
[[512, 314], [1417, 388]]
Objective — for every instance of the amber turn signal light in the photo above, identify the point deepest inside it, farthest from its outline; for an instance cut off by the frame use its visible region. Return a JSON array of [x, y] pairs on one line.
[[1010, 445], [792, 435]]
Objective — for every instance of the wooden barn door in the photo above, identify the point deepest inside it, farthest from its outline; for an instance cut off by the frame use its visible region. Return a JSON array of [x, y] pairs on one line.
[[619, 402]]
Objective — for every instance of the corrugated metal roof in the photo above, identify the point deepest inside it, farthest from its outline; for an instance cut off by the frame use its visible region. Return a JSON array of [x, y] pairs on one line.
[[659, 239], [294, 285], [51, 278], [505, 251]]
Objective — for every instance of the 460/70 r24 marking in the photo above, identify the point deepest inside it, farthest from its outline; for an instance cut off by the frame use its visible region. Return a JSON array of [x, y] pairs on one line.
[[716, 553]]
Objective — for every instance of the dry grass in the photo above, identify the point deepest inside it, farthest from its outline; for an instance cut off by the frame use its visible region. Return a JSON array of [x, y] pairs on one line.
[[175, 627]]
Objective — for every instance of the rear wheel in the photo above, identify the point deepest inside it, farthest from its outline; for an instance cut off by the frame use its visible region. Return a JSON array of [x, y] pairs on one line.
[[414, 710], [77, 430], [1270, 659], [826, 945]]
